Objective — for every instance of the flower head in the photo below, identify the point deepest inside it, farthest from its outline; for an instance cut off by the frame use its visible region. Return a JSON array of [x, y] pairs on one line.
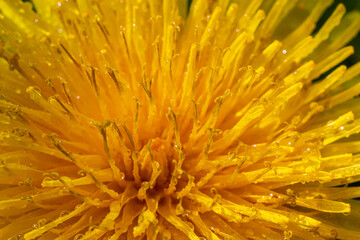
[[148, 120]]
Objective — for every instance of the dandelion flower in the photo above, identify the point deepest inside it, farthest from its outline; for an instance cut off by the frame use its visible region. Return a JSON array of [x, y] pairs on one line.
[[153, 119]]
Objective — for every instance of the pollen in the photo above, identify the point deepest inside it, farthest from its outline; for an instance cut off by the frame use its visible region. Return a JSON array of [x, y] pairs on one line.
[[170, 119]]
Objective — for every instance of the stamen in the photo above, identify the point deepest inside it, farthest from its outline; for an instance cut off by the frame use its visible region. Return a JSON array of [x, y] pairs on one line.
[[66, 91], [126, 45], [61, 149], [103, 31], [213, 132], [146, 84], [37, 71], [39, 231], [49, 84], [240, 163], [14, 65], [144, 220], [102, 187], [70, 56], [155, 168], [117, 173], [112, 75], [56, 97], [107, 224], [195, 122], [190, 185], [92, 79], [134, 156], [172, 117]]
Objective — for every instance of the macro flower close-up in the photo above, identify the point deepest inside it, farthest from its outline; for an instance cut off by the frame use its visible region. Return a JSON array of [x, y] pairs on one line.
[[179, 119]]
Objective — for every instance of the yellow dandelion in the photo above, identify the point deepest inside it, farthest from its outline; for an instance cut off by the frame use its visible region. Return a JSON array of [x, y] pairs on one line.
[[150, 119]]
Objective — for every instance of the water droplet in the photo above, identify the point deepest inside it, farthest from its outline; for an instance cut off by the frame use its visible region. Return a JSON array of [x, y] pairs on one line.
[[59, 4], [41, 222], [64, 213], [122, 176], [19, 237], [287, 235], [78, 236], [284, 51]]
